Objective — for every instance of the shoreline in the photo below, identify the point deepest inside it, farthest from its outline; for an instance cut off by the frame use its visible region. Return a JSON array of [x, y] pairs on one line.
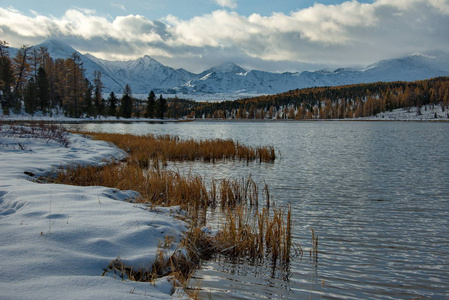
[[58, 239], [87, 121]]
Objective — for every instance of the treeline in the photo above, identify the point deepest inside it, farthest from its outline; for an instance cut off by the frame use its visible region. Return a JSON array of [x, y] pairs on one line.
[[33, 81], [342, 102]]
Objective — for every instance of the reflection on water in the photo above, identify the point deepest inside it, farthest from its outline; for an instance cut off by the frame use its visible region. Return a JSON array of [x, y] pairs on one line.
[[376, 193]]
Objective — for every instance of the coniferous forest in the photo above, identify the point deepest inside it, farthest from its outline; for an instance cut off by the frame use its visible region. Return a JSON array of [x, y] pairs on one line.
[[33, 81], [342, 102]]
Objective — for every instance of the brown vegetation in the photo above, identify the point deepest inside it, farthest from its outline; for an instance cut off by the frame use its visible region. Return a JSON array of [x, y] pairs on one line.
[[147, 148], [246, 232], [257, 234]]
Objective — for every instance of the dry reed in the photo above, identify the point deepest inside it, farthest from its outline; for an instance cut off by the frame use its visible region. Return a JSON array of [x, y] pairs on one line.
[[156, 186], [171, 148], [235, 192], [179, 265], [314, 249], [247, 232], [257, 235]]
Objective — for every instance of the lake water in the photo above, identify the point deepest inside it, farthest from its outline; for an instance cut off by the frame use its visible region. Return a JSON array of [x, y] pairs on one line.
[[376, 193]]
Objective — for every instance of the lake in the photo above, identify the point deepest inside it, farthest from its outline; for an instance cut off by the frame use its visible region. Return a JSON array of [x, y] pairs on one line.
[[376, 193]]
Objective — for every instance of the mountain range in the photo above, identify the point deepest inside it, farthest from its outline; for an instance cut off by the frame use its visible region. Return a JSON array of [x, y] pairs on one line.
[[145, 74]]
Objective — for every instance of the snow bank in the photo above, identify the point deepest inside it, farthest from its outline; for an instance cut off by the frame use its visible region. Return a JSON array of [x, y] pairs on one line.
[[425, 113], [61, 118], [57, 239]]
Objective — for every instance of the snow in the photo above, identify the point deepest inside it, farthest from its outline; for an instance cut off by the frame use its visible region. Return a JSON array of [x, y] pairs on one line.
[[58, 117], [428, 113], [57, 239], [146, 74]]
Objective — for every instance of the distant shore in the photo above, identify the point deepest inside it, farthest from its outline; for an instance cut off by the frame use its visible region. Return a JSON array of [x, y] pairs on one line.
[[426, 114]]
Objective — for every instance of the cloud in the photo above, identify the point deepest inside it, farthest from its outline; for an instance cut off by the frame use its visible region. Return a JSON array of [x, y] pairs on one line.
[[227, 3], [351, 33], [119, 6]]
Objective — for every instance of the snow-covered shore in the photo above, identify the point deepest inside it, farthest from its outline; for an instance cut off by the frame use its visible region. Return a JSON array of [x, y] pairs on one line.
[[57, 239], [425, 113], [61, 118]]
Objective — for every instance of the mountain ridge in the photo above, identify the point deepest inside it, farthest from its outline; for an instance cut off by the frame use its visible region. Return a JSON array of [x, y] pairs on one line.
[[145, 74]]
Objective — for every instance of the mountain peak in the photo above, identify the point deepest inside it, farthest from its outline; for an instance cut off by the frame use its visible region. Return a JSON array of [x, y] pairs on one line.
[[147, 57], [227, 68], [57, 48]]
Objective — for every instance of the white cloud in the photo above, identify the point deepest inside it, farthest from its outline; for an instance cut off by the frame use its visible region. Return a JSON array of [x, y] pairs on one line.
[[345, 34], [227, 3], [119, 6]]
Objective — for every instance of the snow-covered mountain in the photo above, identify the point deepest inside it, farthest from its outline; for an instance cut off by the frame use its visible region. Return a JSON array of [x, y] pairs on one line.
[[145, 74], [59, 49], [237, 80]]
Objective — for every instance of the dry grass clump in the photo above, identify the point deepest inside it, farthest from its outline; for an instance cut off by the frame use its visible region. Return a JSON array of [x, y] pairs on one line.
[[159, 186], [257, 235], [179, 265], [37, 130], [172, 148], [235, 192], [156, 186]]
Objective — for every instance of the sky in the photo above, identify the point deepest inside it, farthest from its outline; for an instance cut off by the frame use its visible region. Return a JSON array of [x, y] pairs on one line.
[[276, 36]]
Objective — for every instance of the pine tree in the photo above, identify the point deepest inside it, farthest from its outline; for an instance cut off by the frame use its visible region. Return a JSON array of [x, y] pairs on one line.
[[162, 107], [151, 105], [127, 103], [98, 88], [30, 97], [43, 90], [6, 77], [112, 101], [88, 106]]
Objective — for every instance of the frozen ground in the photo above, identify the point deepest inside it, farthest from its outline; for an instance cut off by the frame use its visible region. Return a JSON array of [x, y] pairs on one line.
[[57, 239]]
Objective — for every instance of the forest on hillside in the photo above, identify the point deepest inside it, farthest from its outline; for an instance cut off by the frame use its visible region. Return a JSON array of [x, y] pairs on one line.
[[341, 102], [33, 82]]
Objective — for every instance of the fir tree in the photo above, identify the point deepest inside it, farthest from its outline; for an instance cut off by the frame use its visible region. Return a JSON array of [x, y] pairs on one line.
[[6, 77], [30, 97], [162, 107], [127, 103], [98, 88], [43, 90], [151, 105], [112, 101]]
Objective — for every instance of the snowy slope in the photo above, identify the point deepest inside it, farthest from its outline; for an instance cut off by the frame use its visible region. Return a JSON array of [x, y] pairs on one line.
[[57, 239], [145, 74], [61, 50], [234, 79]]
